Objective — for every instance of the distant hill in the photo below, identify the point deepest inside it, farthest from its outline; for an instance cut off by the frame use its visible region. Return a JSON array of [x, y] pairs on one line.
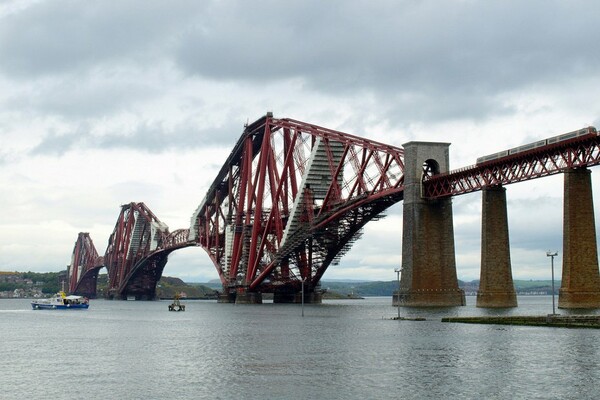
[[38, 284], [168, 286], [387, 288], [349, 288], [46, 283]]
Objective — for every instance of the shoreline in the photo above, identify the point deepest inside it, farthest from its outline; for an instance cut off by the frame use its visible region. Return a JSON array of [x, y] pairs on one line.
[[550, 320]]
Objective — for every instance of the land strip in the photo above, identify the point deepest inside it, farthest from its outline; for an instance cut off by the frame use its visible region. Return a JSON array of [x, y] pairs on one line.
[[563, 321]]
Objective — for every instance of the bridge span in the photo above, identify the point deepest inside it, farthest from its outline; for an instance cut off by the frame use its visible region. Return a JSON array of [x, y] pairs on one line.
[[136, 255], [292, 197]]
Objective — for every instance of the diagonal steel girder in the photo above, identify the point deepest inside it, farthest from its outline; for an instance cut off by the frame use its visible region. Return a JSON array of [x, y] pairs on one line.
[[543, 161], [289, 201], [142, 278], [137, 233], [84, 258]]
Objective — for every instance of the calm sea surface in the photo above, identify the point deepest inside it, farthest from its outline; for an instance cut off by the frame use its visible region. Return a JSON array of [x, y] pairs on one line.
[[347, 349]]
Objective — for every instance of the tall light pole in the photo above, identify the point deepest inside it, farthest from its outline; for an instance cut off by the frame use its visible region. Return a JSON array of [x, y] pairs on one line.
[[552, 255], [397, 271], [303, 279]]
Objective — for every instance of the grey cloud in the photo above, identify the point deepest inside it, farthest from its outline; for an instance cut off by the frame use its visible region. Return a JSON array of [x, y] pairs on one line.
[[155, 138], [335, 46], [56, 144], [462, 53], [96, 94], [152, 137], [420, 60], [46, 39]]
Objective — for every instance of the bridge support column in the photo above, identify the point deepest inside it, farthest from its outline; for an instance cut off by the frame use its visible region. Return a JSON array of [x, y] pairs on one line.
[[580, 286], [496, 288], [428, 260], [309, 298], [240, 295], [245, 297], [226, 297], [284, 297], [296, 298]]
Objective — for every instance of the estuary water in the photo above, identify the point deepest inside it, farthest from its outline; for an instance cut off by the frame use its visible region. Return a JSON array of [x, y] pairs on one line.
[[344, 349]]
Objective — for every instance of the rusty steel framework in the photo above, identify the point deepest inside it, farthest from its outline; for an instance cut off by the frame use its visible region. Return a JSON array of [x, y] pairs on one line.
[[290, 200], [137, 252], [136, 255], [82, 273], [543, 161]]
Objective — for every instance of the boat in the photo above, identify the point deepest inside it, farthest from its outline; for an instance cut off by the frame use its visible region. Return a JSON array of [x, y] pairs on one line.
[[176, 305], [61, 301]]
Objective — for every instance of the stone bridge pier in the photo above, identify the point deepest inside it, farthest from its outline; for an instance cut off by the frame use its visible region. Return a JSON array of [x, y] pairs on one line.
[[496, 288], [428, 257], [429, 276], [580, 287]]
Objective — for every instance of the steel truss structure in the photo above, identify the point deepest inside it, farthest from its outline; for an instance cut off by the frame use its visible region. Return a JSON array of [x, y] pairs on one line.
[[136, 254], [290, 200], [543, 161], [82, 273]]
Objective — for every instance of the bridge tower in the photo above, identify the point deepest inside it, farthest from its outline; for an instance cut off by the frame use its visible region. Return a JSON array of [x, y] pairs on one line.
[[580, 286], [496, 288], [428, 255]]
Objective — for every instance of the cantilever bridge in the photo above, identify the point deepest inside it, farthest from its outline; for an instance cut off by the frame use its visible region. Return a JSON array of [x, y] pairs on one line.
[[136, 255], [292, 197]]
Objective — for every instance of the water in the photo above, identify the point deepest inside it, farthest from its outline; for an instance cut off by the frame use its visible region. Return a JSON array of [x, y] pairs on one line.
[[345, 349]]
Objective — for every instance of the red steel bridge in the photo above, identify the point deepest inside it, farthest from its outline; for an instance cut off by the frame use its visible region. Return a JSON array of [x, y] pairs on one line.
[[136, 255], [289, 201], [577, 149]]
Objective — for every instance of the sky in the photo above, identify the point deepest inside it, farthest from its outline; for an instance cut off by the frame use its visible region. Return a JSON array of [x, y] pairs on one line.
[[106, 103]]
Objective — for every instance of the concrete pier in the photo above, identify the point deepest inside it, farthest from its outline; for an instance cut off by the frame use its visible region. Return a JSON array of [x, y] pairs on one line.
[[296, 298], [428, 256], [580, 278], [239, 296], [226, 297], [245, 297], [309, 298], [496, 288]]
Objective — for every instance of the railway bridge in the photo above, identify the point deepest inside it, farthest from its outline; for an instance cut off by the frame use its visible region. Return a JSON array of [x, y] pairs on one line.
[[292, 197]]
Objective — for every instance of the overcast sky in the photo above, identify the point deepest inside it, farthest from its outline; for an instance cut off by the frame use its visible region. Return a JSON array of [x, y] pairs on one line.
[[104, 103]]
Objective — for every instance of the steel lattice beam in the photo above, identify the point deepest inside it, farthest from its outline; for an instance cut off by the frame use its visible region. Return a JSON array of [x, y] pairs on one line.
[[543, 161], [141, 280], [135, 257], [289, 201], [84, 258], [137, 239]]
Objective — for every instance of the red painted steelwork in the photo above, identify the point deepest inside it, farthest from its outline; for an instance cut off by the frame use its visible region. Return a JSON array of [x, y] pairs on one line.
[[546, 160], [134, 273], [141, 280], [84, 258], [289, 201], [139, 238]]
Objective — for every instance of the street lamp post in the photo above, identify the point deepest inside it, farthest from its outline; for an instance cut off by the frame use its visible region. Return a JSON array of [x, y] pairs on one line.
[[303, 279], [397, 271], [552, 255]]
